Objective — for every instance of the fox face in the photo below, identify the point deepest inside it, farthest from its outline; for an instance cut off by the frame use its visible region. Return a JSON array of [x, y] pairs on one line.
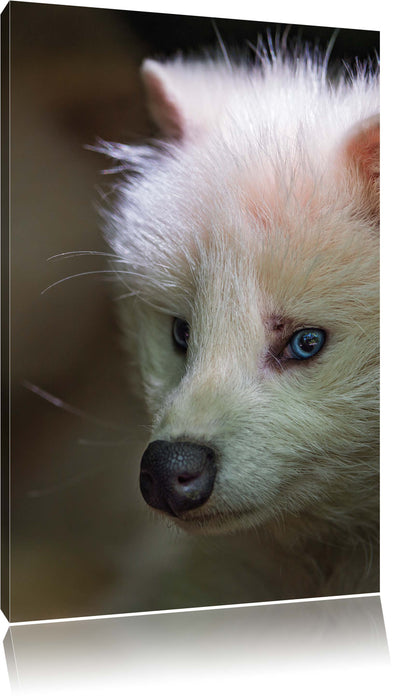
[[250, 247]]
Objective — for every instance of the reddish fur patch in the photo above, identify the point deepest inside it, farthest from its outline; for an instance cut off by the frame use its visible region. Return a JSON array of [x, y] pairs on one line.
[[363, 149], [362, 155], [268, 201]]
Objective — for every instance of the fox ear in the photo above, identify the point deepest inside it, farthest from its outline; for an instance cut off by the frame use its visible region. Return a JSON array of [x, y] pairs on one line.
[[362, 159], [185, 97], [163, 99]]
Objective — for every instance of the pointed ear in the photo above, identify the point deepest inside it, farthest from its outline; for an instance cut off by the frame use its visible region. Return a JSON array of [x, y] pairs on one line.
[[163, 98], [186, 97], [361, 153]]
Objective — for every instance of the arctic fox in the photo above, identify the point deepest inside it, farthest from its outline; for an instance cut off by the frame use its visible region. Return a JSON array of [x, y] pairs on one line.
[[246, 236]]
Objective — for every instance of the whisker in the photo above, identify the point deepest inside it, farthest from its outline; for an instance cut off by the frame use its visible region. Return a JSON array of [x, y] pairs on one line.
[[65, 483], [107, 443], [126, 296], [59, 403], [75, 253], [90, 272]]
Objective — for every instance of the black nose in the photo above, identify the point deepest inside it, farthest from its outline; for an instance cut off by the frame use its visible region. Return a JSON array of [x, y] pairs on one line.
[[177, 476]]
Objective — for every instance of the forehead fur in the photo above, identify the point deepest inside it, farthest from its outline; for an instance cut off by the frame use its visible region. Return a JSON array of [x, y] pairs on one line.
[[315, 270], [259, 188]]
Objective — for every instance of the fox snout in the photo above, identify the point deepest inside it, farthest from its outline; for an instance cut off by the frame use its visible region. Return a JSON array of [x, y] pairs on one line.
[[177, 476]]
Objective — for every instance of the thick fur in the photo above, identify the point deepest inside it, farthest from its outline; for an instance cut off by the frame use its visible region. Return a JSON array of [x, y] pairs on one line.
[[254, 216]]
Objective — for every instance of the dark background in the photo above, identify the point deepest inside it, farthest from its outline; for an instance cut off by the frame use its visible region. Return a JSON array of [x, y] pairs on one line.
[[169, 33]]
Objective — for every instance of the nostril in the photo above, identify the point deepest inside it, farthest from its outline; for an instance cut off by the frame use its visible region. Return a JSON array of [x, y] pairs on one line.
[[186, 478]]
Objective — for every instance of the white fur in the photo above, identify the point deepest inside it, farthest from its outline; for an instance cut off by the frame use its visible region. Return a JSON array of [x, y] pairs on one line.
[[250, 209]]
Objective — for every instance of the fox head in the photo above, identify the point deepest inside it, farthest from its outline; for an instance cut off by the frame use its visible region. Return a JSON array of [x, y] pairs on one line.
[[248, 233]]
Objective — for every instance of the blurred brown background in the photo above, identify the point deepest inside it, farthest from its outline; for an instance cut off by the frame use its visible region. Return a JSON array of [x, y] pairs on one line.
[[82, 542]]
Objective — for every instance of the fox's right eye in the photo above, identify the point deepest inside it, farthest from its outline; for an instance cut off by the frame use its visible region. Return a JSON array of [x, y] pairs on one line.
[[180, 333]]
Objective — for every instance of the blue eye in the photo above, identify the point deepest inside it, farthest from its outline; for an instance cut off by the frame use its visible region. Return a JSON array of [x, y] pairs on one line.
[[306, 343], [181, 332]]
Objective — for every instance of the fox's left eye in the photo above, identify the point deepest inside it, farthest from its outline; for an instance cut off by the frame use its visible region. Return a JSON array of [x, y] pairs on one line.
[[181, 332], [306, 343]]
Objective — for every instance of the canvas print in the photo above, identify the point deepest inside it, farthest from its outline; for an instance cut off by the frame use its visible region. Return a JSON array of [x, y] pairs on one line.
[[192, 374]]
